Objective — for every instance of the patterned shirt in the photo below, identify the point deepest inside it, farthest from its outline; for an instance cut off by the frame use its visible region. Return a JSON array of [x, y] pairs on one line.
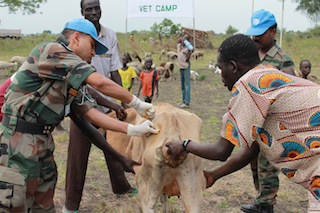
[[39, 91], [281, 112]]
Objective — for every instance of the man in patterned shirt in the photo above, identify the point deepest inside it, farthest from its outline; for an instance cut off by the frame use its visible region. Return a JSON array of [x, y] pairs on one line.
[[45, 89], [270, 112], [263, 31]]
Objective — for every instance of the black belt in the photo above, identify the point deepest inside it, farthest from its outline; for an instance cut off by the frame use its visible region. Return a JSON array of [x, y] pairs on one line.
[[27, 127]]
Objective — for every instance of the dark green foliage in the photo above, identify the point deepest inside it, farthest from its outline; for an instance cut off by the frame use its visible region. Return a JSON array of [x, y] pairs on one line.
[[166, 28], [231, 30], [28, 7], [310, 7]]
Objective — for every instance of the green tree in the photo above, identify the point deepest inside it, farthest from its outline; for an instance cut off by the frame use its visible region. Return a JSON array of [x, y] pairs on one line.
[[311, 8], [315, 31], [231, 30], [166, 27], [26, 6], [47, 32]]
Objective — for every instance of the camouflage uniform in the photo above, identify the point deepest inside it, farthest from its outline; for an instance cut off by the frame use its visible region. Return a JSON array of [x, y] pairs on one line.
[[278, 58], [266, 176], [38, 97]]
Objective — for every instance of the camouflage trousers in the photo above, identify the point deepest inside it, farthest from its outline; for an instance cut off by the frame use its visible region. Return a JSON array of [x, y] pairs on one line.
[[28, 173], [266, 181]]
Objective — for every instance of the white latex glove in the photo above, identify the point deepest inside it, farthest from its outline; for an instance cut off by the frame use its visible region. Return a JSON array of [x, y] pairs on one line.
[[144, 109], [143, 128]]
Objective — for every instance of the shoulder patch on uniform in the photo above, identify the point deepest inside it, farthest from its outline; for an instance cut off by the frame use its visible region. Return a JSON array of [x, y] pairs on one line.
[[287, 63]]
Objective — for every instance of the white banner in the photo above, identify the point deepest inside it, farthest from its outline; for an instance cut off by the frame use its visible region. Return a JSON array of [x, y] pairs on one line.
[[160, 9]]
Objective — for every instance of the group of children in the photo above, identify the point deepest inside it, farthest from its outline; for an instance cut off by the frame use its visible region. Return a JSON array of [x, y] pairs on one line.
[[148, 79]]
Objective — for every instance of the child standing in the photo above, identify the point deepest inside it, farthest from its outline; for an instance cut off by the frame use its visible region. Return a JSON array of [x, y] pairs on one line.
[[149, 81], [305, 70], [127, 74]]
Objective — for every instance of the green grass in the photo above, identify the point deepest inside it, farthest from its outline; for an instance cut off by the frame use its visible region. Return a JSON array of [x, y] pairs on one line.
[[223, 205], [202, 77], [298, 46], [23, 46]]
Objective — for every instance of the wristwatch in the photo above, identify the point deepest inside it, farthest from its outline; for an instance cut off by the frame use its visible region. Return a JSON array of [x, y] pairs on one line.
[[185, 144]]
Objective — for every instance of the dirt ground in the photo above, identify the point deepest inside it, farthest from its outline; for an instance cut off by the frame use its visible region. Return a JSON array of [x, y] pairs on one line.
[[209, 101]]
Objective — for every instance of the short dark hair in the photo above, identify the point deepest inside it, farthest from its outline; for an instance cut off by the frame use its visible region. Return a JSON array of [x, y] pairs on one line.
[[67, 32], [81, 4], [273, 26], [304, 60], [241, 49]]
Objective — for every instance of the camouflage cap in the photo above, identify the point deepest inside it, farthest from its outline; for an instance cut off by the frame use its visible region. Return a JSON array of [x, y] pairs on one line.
[[87, 27]]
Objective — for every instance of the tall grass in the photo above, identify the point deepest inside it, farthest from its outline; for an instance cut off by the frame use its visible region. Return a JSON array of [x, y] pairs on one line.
[[23, 46], [298, 45]]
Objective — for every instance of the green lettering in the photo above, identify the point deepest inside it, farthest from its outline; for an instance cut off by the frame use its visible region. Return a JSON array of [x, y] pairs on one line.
[[145, 8], [174, 7], [166, 8]]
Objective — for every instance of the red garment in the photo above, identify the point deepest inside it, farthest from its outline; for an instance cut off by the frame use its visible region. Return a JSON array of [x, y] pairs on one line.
[[3, 89], [146, 81]]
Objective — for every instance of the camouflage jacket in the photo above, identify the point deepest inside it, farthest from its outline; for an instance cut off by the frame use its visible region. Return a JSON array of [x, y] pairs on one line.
[[278, 58], [39, 92]]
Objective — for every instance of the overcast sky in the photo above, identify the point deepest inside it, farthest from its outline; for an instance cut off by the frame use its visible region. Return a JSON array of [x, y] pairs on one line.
[[215, 15]]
